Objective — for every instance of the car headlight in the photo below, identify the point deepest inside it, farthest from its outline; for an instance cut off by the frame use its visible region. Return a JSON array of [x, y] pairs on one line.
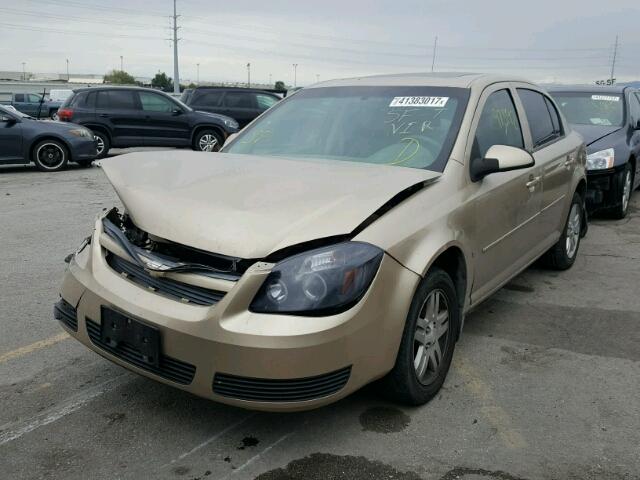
[[325, 281], [81, 132], [600, 160], [231, 123]]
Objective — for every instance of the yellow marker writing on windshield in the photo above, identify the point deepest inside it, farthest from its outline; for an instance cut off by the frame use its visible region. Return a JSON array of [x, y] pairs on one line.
[[406, 154]]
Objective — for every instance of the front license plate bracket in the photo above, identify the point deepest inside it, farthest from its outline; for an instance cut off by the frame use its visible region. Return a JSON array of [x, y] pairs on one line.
[[118, 329]]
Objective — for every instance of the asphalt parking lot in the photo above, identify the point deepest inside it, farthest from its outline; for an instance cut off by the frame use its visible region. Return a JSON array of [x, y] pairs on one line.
[[545, 382]]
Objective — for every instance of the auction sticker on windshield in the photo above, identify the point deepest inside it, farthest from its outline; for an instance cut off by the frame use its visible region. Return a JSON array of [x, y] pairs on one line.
[[606, 98], [437, 102]]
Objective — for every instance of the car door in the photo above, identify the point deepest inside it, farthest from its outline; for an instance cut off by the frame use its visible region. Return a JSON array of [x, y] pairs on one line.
[[119, 111], [206, 100], [241, 106], [10, 139], [22, 105], [36, 105], [554, 157], [506, 205], [165, 122]]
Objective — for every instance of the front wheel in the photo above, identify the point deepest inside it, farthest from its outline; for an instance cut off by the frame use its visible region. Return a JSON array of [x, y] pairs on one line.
[[624, 180], [207, 141], [428, 341], [563, 254], [50, 156], [102, 144]]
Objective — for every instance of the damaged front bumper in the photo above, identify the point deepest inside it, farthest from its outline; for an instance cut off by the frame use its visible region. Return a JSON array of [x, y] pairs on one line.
[[213, 346]]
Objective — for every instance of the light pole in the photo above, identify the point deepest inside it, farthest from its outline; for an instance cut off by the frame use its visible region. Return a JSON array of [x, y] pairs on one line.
[[67, 70], [198, 73], [317, 77], [270, 81], [121, 63], [249, 75], [295, 75], [24, 74]]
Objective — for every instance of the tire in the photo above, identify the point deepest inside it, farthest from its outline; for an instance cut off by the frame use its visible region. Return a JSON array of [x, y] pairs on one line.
[[104, 144], [50, 155], [624, 183], [53, 115], [207, 141], [563, 254], [412, 381]]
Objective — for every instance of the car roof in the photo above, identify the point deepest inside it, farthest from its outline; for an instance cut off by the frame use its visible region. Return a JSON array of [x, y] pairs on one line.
[[588, 88], [437, 79], [116, 87], [238, 89]]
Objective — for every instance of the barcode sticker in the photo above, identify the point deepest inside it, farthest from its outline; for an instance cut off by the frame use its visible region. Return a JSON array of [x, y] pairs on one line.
[[437, 102]]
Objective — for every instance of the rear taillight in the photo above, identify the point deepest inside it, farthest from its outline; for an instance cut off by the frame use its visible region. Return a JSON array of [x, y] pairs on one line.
[[65, 114]]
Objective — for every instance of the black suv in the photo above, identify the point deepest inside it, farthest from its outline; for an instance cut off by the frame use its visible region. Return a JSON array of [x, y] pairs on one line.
[[141, 117], [241, 104]]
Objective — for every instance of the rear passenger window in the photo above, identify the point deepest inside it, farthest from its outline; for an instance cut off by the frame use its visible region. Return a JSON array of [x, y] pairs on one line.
[[498, 125], [540, 112], [19, 97], [116, 100], [238, 100], [265, 101], [206, 99]]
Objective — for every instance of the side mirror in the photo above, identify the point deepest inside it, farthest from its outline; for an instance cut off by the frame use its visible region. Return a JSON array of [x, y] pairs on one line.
[[9, 120], [500, 158]]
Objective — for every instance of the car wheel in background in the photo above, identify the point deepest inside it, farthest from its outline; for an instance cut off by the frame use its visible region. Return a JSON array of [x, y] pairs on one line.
[[428, 341], [84, 163], [103, 144], [563, 254], [53, 115], [624, 181], [50, 155], [207, 141]]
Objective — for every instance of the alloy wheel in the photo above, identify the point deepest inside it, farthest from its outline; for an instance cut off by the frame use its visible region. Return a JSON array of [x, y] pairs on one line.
[[573, 230], [99, 144], [208, 143], [50, 156], [431, 337]]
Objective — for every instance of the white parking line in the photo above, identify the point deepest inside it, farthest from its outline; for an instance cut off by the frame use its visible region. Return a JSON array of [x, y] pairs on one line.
[[73, 404], [208, 441]]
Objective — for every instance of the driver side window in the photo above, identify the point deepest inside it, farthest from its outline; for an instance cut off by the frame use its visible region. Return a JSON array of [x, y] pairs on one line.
[[498, 125]]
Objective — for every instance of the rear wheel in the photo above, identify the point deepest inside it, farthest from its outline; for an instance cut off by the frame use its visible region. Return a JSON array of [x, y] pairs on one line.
[[428, 341], [50, 155], [102, 144], [624, 181], [53, 115], [563, 254], [207, 141]]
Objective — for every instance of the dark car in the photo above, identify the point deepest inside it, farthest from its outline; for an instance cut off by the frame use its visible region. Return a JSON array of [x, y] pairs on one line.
[[50, 145], [241, 104], [142, 117], [31, 104], [608, 118]]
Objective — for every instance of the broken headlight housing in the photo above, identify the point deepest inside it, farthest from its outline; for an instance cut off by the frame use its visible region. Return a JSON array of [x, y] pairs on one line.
[[320, 282]]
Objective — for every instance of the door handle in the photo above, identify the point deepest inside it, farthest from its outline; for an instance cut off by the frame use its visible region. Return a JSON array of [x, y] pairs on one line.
[[531, 184], [103, 115], [567, 163]]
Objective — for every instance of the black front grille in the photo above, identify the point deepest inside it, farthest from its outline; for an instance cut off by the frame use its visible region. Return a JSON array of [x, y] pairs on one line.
[[170, 368], [290, 390], [164, 286], [66, 313]]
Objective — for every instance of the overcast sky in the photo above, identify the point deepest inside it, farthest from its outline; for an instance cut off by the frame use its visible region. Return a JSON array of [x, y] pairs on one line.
[[545, 40]]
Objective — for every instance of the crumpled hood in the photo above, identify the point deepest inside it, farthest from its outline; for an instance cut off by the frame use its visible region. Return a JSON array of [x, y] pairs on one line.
[[593, 133], [249, 206]]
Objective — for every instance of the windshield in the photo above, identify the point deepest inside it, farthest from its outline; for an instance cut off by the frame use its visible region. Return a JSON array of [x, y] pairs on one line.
[[591, 108], [403, 126]]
